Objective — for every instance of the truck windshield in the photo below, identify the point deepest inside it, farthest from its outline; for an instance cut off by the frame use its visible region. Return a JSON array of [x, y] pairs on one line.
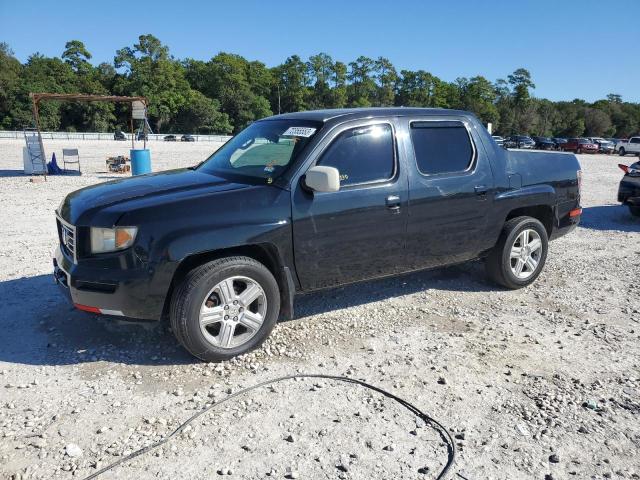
[[262, 151]]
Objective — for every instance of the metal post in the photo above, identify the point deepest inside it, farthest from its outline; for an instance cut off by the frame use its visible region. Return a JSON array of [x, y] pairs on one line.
[[36, 118], [278, 98]]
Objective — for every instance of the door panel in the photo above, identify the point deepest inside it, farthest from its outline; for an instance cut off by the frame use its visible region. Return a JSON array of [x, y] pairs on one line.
[[448, 212], [355, 233]]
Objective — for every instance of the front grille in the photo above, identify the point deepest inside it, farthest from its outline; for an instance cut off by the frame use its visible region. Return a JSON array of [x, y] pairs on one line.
[[68, 238]]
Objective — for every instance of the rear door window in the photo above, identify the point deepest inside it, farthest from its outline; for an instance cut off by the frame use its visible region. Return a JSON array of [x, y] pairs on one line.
[[441, 147]]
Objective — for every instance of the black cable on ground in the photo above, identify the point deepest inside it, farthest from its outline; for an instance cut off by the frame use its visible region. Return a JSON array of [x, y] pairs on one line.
[[444, 433]]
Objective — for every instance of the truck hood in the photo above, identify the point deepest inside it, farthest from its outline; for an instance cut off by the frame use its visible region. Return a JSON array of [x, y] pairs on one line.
[[78, 207]]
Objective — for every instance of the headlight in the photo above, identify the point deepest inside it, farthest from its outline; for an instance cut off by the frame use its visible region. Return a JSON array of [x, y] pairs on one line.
[[112, 239]]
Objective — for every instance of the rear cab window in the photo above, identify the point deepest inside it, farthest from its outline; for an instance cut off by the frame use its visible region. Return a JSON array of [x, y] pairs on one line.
[[442, 147]]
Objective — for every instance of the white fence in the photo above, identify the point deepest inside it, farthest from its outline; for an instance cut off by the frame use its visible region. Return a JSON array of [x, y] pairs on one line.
[[109, 136]]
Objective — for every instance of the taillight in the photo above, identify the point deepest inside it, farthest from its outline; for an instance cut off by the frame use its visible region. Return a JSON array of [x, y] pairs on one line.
[[579, 176], [624, 168]]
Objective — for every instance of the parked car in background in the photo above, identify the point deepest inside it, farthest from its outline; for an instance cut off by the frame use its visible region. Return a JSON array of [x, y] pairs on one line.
[[188, 138], [628, 146], [119, 135], [498, 139], [579, 145], [142, 136], [559, 142], [604, 146], [544, 143], [304, 201], [519, 141], [614, 142], [170, 138], [629, 189]]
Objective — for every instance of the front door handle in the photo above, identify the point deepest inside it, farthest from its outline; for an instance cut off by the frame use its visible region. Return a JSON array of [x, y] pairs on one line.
[[481, 189], [393, 203]]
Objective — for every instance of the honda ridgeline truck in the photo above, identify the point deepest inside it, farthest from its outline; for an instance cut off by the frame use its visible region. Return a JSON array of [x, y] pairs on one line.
[[305, 201]]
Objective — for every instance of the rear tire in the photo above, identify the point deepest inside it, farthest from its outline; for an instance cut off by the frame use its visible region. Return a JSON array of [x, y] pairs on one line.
[[520, 254], [622, 152], [635, 211], [225, 308]]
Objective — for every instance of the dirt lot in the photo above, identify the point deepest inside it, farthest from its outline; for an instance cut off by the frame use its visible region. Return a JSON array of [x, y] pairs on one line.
[[537, 383]]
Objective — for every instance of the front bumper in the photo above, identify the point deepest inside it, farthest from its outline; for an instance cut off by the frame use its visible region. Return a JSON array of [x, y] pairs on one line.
[[124, 292]]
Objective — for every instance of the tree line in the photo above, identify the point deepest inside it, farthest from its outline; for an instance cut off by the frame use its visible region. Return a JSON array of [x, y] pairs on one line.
[[226, 93]]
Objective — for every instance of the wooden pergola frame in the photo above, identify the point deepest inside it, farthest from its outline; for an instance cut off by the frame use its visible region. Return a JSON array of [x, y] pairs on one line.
[[36, 98]]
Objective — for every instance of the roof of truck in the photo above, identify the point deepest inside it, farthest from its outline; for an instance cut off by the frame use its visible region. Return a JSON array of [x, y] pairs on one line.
[[356, 113]]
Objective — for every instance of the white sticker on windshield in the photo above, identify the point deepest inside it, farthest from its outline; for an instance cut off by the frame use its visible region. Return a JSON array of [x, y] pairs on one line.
[[299, 132]]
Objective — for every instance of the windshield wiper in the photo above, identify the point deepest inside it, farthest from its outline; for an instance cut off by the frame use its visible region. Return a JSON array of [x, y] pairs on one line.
[[193, 167]]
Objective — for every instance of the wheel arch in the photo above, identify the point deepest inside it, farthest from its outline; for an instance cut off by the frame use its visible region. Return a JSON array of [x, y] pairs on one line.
[[265, 253], [543, 213]]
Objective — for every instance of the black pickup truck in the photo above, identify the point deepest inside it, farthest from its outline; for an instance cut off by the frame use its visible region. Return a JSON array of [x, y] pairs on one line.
[[304, 201]]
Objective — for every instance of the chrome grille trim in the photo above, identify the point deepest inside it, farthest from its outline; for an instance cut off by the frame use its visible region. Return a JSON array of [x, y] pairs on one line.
[[68, 238]]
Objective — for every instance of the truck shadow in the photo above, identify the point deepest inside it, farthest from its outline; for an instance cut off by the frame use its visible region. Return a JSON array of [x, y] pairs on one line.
[[609, 217], [465, 277], [39, 326]]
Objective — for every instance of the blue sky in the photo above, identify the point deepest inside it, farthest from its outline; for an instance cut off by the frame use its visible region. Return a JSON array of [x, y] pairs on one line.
[[573, 48]]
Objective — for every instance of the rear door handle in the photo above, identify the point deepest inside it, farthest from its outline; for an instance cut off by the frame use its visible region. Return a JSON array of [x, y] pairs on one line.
[[481, 189], [393, 202]]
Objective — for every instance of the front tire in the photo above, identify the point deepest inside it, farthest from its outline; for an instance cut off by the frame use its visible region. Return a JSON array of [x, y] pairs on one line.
[[622, 152], [520, 254], [225, 308]]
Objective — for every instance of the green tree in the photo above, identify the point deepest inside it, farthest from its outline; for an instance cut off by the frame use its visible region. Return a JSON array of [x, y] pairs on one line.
[[597, 123], [386, 77], [228, 92], [547, 118], [291, 85], [10, 73], [521, 82], [339, 89], [415, 89], [478, 96], [362, 88], [320, 69], [614, 98], [149, 71], [201, 114], [43, 74], [524, 114], [77, 55], [238, 85]]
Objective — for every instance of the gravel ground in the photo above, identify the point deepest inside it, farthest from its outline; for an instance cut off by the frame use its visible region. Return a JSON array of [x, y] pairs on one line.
[[541, 383]]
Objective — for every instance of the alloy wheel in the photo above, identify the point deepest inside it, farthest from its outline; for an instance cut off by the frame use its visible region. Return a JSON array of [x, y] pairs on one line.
[[526, 252], [232, 312]]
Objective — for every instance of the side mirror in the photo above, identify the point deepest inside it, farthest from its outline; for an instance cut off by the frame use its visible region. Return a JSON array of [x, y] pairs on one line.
[[323, 179]]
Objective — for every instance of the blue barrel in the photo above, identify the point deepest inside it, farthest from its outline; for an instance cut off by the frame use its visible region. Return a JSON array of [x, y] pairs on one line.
[[140, 162]]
